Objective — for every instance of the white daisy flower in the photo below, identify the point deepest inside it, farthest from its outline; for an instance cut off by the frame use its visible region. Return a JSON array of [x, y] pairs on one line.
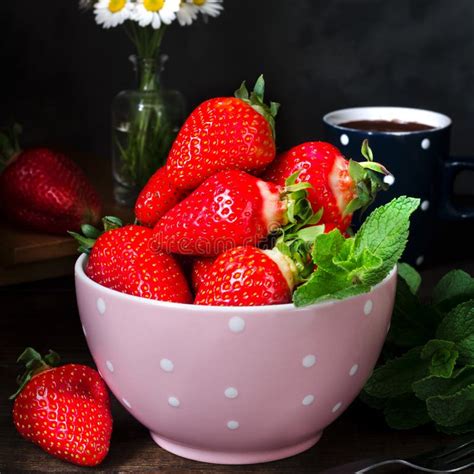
[[155, 12], [110, 13], [209, 7], [187, 12]]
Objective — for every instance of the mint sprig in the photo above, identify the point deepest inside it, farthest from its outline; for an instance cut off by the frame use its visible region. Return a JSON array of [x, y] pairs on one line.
[[427, 370], [351, 266]]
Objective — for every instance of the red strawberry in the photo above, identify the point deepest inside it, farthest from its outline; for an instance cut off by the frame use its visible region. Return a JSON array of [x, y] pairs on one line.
[[64, 410], [248, 276], [222, 134], [229, 209], [156, 198], [200, 270], [45, 190], [125, 260], [339, 186]]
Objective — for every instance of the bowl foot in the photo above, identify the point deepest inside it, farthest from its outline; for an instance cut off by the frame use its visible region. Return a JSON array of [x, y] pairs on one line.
[[233, 457]]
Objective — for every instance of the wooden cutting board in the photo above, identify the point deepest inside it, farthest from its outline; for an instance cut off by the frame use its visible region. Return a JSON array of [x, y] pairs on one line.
[[28, 256]]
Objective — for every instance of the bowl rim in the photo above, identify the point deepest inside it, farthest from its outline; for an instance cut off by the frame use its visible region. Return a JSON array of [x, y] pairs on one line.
[[80, 274]]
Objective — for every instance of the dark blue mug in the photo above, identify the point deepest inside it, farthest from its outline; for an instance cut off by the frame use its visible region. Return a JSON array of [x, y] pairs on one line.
[[419, 161]]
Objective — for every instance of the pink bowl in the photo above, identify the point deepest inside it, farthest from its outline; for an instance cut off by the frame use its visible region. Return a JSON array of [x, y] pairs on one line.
[[234, 385]]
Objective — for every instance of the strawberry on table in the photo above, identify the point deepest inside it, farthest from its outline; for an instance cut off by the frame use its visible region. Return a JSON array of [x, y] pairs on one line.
[[339, 186], [248, 276], [229, 209], [222, 134], [64, 410], [125, 259], [156, 198], [45, 190]]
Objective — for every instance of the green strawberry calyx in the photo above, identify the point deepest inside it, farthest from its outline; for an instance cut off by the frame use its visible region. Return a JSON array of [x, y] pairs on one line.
[[9, 144], [90, 233], [256, 100], [296, 237], [34, 364], [369, 178]]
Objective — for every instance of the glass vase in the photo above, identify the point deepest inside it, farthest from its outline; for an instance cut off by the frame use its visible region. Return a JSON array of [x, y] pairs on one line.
[[145, 122]]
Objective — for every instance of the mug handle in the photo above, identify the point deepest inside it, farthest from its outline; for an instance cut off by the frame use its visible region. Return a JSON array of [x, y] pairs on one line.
[[450, 170]]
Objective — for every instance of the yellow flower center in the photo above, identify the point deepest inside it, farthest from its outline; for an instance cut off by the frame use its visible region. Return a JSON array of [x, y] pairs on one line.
[[116, 5], [153, 5], [199, 3]]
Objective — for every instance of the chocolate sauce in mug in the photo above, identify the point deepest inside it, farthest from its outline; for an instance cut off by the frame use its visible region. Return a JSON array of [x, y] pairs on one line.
[[386, 126]]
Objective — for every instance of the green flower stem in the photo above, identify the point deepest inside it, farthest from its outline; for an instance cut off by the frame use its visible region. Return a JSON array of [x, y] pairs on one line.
[[149, 128]]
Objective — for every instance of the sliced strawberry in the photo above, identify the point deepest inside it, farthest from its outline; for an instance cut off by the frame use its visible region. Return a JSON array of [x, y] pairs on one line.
[[224, 133], [339, 186], [230, 209]]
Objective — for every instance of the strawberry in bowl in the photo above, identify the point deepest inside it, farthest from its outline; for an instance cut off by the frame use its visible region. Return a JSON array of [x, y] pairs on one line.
[[268, 357]]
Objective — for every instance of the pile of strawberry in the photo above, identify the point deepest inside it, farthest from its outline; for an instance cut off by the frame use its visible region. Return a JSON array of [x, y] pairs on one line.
[[242, 218]]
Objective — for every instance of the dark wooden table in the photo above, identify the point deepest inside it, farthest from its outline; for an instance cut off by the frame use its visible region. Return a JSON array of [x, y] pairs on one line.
[[44, 315]]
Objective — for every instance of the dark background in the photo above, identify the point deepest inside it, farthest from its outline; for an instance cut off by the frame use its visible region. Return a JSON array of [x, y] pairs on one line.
[[60, 71]]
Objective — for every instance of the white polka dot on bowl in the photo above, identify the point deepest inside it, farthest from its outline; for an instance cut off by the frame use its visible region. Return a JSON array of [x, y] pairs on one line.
[[344, 139], [336, 407], [231, 392], [232, 424], [309, 360], [236, 324], [420, 260], [425, 143], [101, 306], [174, 402], [368, 306], [354, 370], [308, 400], [167, 365]]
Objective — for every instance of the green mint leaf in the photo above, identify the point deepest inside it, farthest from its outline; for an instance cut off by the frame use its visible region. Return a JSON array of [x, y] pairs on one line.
[[458, 429], [411, 277], [326, 246], [458, 323], [385, 232], [361, 261], [406, 412], [396, 376], [454, 288], [433, 385], [452, 410], [367, 269], [347, 292], [413, 324], [373, 402], [319, 286], [466, 349], [443, 356]]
